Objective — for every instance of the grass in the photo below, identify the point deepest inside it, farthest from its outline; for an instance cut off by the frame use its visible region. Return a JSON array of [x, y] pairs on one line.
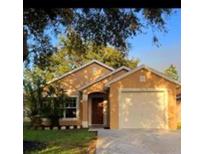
[[59, 141]]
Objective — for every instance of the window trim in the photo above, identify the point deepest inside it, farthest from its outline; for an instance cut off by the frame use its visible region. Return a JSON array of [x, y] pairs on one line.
[[77, 109]]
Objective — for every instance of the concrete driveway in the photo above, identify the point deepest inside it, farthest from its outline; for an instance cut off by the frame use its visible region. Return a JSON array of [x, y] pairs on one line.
[[135, 141]]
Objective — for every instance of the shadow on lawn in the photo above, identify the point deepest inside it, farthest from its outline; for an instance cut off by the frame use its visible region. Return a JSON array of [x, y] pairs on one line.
[[29, 146]]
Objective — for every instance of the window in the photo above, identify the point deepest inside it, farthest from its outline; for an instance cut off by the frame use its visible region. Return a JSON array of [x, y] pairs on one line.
[[70, 108]]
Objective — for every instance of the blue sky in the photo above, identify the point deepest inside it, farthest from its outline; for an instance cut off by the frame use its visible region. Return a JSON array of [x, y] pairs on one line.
[[169, 51]]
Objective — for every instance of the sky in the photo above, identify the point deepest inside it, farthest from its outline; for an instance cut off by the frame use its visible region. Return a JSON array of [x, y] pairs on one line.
[[169, 51]]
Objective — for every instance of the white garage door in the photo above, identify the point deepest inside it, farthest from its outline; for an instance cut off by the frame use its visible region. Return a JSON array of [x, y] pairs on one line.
[[143, 109]]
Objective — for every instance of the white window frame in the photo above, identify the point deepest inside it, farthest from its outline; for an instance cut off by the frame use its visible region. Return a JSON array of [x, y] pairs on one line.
[[77, 109]]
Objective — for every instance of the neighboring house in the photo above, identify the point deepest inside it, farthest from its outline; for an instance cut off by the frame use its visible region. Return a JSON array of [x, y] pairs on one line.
[[118, 98]]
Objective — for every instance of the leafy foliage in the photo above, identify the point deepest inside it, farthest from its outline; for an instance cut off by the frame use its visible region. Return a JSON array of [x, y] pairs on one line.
[[33, 95], [172, 72], [103, 27], [54, 101], [79, 52], [43, 101]]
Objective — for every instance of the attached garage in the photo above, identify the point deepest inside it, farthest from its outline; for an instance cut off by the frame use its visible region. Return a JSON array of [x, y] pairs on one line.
[[143, 98], [143, 108]]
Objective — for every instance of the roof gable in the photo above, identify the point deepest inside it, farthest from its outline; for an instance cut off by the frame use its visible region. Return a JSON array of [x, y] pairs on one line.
[[81, 67], [103, 77], [147, 68]]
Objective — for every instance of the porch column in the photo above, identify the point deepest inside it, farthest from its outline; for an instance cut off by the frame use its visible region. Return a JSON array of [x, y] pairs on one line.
[[85, 111]]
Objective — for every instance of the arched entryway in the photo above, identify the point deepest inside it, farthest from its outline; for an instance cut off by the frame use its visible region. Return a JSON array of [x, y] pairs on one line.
[[97, 104]]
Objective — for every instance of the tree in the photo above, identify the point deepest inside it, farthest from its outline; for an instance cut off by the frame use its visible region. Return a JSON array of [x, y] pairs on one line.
[[171, 71], [43, 101], [101, 26], [33, 91], [79, 52]]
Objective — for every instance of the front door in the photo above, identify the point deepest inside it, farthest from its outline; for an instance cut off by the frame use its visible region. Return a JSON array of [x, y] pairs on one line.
[[97, 110]]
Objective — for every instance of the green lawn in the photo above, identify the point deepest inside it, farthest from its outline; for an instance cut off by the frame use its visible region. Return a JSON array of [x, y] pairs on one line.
[[59, 141]]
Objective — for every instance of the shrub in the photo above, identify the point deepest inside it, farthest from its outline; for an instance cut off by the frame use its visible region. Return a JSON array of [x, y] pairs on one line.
[[33, 97], [44, 101]]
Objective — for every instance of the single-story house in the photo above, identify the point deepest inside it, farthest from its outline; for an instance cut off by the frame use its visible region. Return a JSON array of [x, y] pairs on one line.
[[100, 96]]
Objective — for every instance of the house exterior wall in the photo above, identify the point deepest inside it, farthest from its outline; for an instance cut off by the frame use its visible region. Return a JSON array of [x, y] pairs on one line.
[[99, 86], [73, 82], [151, 81]]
